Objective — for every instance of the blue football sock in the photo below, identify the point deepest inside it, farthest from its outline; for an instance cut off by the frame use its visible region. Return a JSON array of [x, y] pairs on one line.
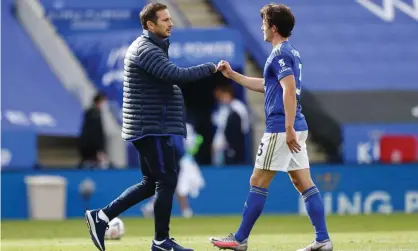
[[252, 210], [315, 208]]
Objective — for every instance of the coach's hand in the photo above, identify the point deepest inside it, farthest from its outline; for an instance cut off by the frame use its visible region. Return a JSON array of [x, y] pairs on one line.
[[225, 68], [292, 140]]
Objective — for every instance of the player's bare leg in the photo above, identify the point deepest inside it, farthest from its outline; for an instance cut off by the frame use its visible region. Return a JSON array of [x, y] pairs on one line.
[[148, 209], [262, 178], [259, 182], [302, 181], [184, 206]]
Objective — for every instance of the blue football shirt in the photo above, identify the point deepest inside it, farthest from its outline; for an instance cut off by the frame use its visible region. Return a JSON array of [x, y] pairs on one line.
[[283, 61]]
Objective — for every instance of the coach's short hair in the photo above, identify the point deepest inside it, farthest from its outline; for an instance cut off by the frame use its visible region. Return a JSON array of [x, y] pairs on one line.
[[149, 13], [280, 16]]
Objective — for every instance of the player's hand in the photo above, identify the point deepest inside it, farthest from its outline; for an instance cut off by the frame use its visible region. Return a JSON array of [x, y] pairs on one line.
[[225, 68], [292, 140]]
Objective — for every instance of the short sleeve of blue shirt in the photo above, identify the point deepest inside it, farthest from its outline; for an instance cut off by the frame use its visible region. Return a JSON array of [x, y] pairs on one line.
[[282, 65]]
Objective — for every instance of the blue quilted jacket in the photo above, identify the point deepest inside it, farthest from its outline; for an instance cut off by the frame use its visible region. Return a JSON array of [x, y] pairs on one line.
[[152, 102]]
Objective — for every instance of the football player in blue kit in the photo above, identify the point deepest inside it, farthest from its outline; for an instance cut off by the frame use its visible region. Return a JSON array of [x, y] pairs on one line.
[[283, 145]]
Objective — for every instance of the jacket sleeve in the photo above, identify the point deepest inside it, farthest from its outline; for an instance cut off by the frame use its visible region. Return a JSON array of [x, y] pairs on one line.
[[156, 63]]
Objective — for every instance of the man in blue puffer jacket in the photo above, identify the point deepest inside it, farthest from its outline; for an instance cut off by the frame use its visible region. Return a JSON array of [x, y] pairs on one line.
[[153, 111]]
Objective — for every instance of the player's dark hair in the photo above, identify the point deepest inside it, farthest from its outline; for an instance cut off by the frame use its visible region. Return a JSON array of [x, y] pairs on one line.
[[149, 13], [280, 16]]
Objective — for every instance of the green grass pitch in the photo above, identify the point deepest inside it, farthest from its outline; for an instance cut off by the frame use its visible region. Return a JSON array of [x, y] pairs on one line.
[[272, 232]]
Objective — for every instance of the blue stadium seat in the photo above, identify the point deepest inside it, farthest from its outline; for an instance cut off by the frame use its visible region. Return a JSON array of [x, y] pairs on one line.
[[75, 16], [129, 4], [32, 97], [343, 45]]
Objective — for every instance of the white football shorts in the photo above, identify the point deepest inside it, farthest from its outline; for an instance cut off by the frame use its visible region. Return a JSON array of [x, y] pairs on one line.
[[274, 154]]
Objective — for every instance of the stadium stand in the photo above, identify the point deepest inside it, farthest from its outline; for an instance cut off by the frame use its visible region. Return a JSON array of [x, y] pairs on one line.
[[340, 45], [37, 87], [340, 41], [98, 34], [350, 53], [198, 13], [33, 99], [33, 18], [80, 4], [360, 101], [92, 16]]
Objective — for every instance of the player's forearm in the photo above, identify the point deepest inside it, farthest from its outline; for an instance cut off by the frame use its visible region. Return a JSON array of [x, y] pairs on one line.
[[254, 84], [289, 101]]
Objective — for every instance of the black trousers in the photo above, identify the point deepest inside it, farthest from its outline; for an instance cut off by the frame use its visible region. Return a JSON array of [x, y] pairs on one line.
[[159, 166]]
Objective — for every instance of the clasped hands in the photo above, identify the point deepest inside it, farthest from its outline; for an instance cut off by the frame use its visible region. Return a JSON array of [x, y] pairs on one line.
[[225, 68]]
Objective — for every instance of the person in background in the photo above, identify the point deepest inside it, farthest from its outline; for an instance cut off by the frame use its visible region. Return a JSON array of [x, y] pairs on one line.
[[190, 180], [232, 122], [91, 141]]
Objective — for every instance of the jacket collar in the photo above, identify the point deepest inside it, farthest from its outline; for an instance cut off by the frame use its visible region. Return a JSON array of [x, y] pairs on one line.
[[163, 43]]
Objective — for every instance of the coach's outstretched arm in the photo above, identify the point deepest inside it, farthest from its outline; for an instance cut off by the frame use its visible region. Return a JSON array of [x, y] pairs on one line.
[[254, 84], [156, 63]]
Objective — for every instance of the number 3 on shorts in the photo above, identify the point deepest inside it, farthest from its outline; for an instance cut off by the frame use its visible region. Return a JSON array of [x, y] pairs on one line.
[[260, 149]]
